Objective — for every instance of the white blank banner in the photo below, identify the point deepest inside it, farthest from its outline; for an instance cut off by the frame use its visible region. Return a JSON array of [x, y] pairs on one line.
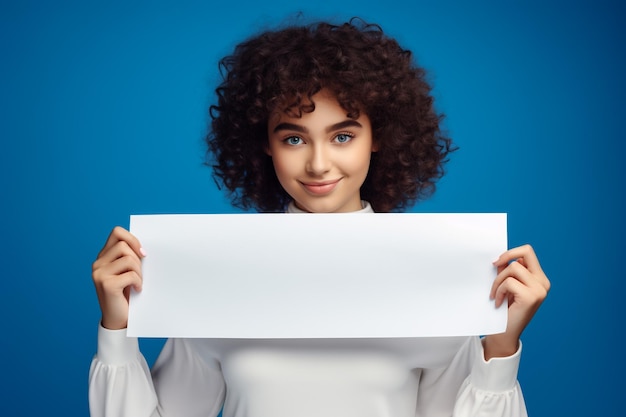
[[318, 275]]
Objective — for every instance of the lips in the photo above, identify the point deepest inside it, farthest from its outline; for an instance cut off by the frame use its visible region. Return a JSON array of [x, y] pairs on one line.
[[320, 188]]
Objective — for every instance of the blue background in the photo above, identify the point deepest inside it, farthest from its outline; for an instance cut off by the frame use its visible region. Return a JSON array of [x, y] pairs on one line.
[[103, 112]]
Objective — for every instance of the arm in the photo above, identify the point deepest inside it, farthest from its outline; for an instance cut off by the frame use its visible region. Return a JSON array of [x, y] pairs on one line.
[[181, 382], [116, 269], [120, 382], [119, 378], [470, 386], [482, 378], [523, 283], [491, 389]]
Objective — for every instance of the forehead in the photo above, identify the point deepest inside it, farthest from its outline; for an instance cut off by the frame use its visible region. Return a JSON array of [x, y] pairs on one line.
[[322, 106]]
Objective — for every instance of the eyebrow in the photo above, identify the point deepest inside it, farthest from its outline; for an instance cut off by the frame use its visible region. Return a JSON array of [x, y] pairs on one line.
[[302, 129]]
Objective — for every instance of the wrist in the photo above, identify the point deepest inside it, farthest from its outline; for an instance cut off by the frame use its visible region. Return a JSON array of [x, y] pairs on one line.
[[499, 345], [112, 325]]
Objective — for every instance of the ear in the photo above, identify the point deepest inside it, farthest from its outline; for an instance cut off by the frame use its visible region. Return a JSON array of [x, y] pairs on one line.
[[375, 145], [266, 149]]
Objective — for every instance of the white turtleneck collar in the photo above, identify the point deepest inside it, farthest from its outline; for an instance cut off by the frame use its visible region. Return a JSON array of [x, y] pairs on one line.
[[367, 208]]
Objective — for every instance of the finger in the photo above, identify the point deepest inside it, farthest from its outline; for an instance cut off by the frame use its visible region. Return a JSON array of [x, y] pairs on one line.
[[125, 264], [113, 296], [528, 259], [119, 234], [132, 279], [120, 250], [508, 288], [112, 271], [113, 238], [120, 282], [107, 279], [525, 252], [513, 270]]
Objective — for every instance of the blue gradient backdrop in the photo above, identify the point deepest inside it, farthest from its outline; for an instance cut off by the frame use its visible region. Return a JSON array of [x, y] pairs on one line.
[[103, 111]]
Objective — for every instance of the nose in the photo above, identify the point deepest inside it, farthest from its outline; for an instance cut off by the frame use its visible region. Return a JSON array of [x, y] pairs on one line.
[[319, 161]]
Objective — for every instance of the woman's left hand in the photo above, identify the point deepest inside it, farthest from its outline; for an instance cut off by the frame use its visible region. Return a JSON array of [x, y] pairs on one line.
[[523, 283]]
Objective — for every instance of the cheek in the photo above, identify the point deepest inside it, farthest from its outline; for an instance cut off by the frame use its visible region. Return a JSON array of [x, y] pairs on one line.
[[285, 164], [360, 163]]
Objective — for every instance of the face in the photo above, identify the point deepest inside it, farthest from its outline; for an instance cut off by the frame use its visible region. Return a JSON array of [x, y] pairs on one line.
[[322, 158]]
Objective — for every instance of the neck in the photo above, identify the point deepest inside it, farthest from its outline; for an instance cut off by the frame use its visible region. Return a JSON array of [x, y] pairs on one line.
[[366, 208]]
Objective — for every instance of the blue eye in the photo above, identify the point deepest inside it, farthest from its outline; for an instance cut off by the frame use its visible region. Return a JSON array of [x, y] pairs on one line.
[[293, 140], [343, 138]]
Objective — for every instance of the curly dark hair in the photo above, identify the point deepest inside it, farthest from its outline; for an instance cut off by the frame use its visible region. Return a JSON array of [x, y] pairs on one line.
[[366, 70]]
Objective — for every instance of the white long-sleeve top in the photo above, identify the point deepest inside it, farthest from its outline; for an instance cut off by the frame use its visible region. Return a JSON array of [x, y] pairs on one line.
[[314, 377], [408, 377]]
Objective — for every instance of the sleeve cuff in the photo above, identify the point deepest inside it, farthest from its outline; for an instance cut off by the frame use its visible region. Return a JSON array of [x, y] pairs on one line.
[[496, 374], [115, 348]]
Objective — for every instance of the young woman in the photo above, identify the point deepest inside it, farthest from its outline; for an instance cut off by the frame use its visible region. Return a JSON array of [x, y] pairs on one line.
[[317, 118]]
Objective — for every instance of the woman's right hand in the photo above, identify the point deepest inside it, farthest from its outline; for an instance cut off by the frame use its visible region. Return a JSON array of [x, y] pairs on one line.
[[116, 269]]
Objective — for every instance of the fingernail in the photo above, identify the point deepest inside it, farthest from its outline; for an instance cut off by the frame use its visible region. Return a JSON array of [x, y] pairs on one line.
[[142, 251]]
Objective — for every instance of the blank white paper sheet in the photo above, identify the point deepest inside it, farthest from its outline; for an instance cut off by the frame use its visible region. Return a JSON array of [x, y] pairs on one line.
[[352, 275]]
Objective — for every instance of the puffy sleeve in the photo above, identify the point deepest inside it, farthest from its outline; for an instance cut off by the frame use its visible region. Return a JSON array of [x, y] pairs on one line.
[[181, 383], [475, 387]]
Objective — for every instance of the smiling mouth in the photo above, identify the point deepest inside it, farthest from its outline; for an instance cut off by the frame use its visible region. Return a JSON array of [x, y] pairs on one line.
[[320, 188]]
